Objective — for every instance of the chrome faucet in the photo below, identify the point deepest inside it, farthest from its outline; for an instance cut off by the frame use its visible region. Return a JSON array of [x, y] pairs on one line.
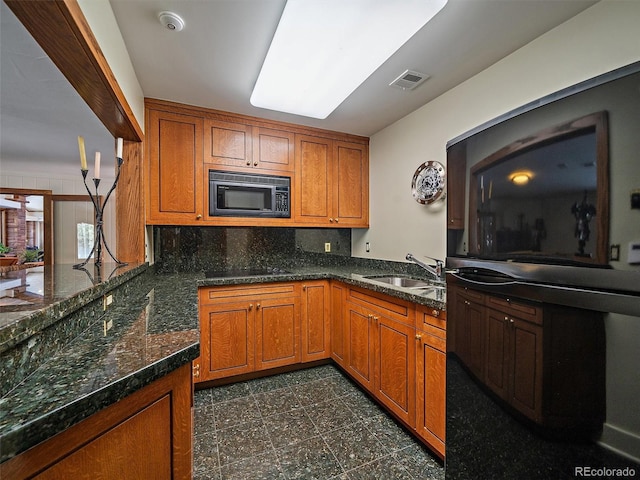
[[437, 272]]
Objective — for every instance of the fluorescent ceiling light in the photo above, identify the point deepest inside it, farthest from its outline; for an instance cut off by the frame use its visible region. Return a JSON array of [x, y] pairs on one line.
[[324, 49]]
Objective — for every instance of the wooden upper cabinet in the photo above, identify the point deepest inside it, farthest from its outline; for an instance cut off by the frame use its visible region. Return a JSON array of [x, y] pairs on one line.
[[174, 182], [329, 171], [332, 182], [240, 147], [228, 144], [351, 184], [456, 183], [273, 150], [313, 176]]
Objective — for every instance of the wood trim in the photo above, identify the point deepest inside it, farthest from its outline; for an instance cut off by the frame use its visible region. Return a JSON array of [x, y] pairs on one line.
[[62, 31], [130, 214], [173, 107]]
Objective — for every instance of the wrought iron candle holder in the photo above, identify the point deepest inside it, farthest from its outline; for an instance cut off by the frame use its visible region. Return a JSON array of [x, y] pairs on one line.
[[99, 211]]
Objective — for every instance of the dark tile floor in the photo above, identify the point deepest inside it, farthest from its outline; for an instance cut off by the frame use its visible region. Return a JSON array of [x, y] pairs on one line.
[[308, 424]]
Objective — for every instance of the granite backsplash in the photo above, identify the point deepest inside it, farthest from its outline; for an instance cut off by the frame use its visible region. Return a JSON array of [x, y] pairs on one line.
[[179, 249]]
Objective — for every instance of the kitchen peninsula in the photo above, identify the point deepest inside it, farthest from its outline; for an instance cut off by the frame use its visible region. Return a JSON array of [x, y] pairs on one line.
[[89, 360]]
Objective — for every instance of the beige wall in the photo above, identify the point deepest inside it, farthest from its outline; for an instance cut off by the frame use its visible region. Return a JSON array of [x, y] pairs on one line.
[[600, 39]]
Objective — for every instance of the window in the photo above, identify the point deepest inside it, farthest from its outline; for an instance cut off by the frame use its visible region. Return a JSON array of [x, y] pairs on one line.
[[85, 237]]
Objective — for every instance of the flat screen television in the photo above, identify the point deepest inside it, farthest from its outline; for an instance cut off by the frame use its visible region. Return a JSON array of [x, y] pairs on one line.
[[548, 188]]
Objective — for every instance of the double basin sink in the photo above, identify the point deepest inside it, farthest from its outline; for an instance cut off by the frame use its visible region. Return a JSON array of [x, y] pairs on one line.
[[419, 286]]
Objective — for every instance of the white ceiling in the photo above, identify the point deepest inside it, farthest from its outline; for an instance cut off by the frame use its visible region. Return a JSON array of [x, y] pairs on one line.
[[215, 60]]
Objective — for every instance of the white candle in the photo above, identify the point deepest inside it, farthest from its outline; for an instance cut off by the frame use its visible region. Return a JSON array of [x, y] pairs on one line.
[[119, 148], [97, 166], [83, 156]]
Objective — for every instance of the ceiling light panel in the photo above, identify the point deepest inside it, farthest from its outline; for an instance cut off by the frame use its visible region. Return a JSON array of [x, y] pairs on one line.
[[324, 49]]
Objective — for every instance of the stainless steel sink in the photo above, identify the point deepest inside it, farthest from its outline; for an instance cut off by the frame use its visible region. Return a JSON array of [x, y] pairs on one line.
[[406, 282]]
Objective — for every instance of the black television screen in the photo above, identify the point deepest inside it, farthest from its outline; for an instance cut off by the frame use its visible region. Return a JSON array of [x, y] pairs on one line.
[[538, 200]]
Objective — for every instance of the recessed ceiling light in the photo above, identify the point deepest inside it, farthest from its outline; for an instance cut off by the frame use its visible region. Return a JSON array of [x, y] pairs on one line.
[[520, 178], [323, 50]]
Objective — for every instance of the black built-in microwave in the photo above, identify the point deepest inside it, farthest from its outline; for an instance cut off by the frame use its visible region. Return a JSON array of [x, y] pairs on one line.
[[235, 194]]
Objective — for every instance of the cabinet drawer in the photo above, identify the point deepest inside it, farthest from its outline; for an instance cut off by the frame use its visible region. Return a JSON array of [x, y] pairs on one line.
[[474, 295], [209, 295], [429, 316], [521, 310], [393, 307]]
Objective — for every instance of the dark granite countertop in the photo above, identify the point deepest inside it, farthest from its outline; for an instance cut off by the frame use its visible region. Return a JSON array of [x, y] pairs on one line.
[[35, 298], [350, 274], [154, 331]]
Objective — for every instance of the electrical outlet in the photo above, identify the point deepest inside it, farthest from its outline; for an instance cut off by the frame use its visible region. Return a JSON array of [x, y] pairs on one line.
[[107, 324], [106, 301], [327, 247]]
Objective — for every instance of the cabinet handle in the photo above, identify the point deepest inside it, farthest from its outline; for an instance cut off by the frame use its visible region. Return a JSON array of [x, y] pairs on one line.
[[248, 163], [255, 164], [418, 337], [198, 217], [337, 220], [435, 313], [257, 306], [375, 319], [251, 306], [467, 302], [304, 287], [511, 320], [196, 371], [331, 220], [506, 318]]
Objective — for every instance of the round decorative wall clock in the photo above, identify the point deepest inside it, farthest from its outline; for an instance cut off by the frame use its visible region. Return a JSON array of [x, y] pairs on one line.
[[428, 182]]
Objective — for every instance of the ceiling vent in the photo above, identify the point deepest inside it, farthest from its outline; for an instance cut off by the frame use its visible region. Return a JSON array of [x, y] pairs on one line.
[[409, 80]]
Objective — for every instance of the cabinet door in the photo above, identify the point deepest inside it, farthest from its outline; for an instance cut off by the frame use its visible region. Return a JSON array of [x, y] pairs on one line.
[[339, 324], [277, 332], [140, 447], [174, 179], [350, 184], [470, 333], [394, 353], [226, 339], [526, 367], [456, 180], [360, 359], [228, 144], [273, 150], [313, 177], [430, 390], [315, 321], [497, 352]]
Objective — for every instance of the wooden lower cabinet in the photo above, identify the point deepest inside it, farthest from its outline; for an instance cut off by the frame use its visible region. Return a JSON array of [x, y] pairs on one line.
[[393, 348], [338, 324], [532, 357], [514, 361], [145, 435], [247, 328], [431, 377], [315, 326], [469, 327], [381, 351]]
